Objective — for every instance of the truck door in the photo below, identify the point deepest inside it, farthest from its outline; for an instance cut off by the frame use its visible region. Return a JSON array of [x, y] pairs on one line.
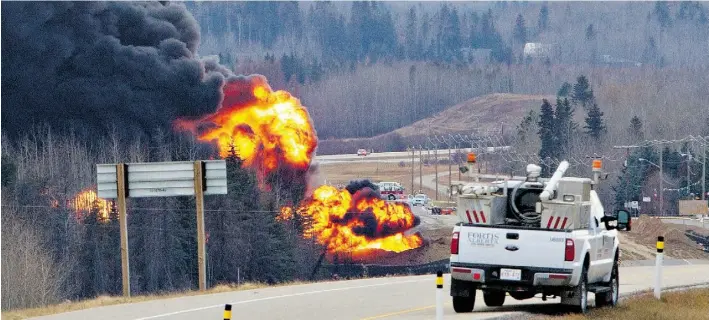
[[596, 251]]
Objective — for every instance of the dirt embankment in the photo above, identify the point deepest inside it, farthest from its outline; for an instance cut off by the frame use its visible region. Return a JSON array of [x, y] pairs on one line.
[[497, 111], [640, 242]]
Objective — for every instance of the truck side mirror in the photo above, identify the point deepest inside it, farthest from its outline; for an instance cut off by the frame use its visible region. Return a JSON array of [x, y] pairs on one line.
[[623, 218], [607, 221]]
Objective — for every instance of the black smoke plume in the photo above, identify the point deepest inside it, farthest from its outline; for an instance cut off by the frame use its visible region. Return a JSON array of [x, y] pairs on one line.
[[90, 66], [356, 185]]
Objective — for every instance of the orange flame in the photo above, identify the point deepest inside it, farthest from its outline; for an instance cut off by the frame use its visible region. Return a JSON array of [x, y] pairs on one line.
[[87, 199], [349, 223], [286, 214], [267, 129]]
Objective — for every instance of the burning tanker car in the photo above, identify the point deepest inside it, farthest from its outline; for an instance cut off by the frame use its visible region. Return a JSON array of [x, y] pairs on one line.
[[356, 221]]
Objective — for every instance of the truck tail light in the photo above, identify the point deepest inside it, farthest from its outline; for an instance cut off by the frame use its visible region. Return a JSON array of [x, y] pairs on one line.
[[454, 243], [570, 250]]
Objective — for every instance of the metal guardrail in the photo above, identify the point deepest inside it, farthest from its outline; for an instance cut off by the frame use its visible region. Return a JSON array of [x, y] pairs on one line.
[[375, 270]]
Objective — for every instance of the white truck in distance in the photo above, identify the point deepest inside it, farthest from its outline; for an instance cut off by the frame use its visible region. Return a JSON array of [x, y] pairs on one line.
[[538, 236]]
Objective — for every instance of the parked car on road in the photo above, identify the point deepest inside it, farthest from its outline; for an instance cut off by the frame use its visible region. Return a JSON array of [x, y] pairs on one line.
[[420, 199]]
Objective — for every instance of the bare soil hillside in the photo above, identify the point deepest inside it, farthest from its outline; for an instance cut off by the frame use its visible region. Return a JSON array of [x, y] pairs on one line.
[[482, 113]]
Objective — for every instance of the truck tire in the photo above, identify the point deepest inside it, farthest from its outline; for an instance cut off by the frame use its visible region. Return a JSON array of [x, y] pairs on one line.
[[581, 292], [610, 298], [494, 298], [392, 197], [464, 304]]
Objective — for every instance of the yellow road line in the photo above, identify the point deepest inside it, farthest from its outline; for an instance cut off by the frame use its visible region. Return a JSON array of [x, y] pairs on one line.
[[401, 312], [398, 313]]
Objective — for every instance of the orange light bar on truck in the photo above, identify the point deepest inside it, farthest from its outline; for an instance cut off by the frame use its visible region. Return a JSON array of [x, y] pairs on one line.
[[471, 157], [597, 163]]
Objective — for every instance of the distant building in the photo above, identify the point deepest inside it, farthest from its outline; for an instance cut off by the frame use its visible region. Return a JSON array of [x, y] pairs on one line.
[[538, 50]]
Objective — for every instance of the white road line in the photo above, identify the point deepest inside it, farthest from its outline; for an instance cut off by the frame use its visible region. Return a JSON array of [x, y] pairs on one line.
[[278, 297]]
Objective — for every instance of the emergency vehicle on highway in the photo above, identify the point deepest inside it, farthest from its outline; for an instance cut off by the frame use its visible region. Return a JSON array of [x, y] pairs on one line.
[[391, 190]]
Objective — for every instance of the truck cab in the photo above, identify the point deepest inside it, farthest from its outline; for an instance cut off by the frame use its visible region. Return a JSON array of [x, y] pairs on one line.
[[548, 237]]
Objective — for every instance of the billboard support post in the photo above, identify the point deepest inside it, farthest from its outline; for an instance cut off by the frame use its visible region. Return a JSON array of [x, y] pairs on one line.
[[161, 179], [199, 200], [121, 175]]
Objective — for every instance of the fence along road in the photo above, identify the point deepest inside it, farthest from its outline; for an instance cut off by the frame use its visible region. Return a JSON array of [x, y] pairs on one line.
[[381, 298]]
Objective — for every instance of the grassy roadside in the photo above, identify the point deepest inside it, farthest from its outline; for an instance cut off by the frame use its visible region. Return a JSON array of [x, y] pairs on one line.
[[113, 300], [691, 304]]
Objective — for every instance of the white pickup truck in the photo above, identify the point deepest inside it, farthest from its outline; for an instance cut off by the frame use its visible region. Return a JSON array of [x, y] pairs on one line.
[[535, 237]]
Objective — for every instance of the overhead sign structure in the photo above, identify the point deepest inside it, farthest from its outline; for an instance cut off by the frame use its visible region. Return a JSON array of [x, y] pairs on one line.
[[161, 179]]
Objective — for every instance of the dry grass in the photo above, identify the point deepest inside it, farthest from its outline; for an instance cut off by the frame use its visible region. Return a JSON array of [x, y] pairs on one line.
[[688, 305], [113, 300]]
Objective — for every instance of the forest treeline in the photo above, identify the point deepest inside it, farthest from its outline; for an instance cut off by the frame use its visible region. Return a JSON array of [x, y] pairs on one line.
[[74, 254], [367, 68]]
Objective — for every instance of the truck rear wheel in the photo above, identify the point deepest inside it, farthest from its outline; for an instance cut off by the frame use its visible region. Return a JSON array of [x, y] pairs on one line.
[[464, 304], [494, 298], [610, 298], [581, 293]]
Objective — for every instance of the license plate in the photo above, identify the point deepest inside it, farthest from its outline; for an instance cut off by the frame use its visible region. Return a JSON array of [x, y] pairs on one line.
[[510, 274]]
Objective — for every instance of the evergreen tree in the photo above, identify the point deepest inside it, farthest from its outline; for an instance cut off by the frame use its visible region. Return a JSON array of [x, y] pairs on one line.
[[548, 148], [651, 55], [633, 176], [635, 131], [523, 129], [594, 122], [543, 21], [662, 14], [590, 32], [519, 33], [564, 126], [411, 41], [564, 90], [582, 94]]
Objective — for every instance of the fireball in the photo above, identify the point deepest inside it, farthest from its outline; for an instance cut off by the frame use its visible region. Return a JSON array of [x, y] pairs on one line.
[[268, 129], [345, 222]]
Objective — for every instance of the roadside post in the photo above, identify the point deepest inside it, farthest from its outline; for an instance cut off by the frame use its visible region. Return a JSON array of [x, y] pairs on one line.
[[658, 265], [227, 312], [123, 181], [439, 295]]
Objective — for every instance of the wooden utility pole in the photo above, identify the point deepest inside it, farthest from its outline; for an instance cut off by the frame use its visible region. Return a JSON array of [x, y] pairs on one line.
[[704, 172], [450, 172], [435, 155], [199, 200], [413, 154], [122, 178], [459, 173], [420, 167]]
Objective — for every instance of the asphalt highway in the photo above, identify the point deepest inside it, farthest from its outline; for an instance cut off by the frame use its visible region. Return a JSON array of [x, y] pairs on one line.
[[381, 298]]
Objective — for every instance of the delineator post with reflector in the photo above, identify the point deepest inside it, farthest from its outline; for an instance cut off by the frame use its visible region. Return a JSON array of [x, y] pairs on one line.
[[439, 295], [658, 265], [227, 312]]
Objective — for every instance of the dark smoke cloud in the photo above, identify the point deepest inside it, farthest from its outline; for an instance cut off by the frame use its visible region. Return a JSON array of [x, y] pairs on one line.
[[368, 225], [356, 185], [90, 64]]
